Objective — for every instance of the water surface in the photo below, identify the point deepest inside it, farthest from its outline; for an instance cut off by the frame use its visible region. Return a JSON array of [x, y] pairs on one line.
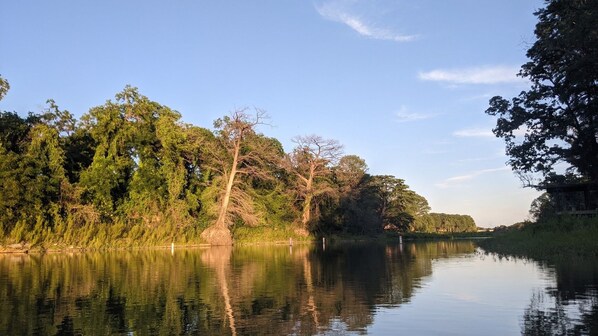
[[434, 288]]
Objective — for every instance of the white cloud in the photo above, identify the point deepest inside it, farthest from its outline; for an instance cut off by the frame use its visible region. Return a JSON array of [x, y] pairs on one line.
[[332, 12], [484, 133], [474, 132], [457, 180], [404, 115], [476, 75]]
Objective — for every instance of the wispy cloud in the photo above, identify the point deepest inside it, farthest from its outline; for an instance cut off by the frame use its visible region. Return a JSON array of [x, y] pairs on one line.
[[331, 11], [404, 115], [475, 75], [480, 159], [485, 133], [458, 180], [474, 133]]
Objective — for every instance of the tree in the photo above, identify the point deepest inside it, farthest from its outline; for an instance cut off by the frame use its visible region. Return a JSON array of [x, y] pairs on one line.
[[239, 151], [4, 87], [559, 113], [350, 171], [35, 188], [13, 131], [398, 205], [357, 209], [542, 207], [310, 163], [440, 222], [105, 183]]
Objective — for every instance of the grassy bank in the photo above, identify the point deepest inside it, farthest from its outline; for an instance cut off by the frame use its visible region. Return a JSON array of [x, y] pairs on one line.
[[101, 237], [438, 236], [559, 237], [266, 235]]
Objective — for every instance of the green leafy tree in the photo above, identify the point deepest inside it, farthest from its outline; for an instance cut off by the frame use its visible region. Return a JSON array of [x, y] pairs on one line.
[[350, 172], [13, 132], [542, 207], [398, 206], [273, 197], [145, 169], [106, 180], [12, 192], [558, 113], [35, 188], [444, 223], [356, 211]]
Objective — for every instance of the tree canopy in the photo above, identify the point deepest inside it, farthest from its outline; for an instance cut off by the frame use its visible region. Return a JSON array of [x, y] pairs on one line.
[[559, 113], [4, 87], [129, 172]]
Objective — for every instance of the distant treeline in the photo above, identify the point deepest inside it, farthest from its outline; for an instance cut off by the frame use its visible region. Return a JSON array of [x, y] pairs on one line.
[[131, 172], [439, 222]]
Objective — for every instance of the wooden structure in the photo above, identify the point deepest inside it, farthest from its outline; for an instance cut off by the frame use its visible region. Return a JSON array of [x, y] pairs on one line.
[[574, 198]]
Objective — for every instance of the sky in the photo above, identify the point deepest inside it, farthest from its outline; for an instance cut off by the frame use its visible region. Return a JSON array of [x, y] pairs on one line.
[[403, 84]]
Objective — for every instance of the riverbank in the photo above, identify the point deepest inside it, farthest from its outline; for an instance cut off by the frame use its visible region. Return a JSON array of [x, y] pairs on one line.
[[104, 237], [560, 237], [242, 236]]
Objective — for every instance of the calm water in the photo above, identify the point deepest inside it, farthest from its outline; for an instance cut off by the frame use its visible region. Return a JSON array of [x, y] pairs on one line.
[[439, 288]]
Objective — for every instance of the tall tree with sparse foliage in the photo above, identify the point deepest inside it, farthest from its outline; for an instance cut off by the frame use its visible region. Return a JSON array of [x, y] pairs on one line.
[[238, 151], [310, 163]]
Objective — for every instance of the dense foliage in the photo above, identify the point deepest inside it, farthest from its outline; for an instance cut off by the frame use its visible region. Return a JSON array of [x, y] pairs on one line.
[[439, 222], [130, 172], [558, 114]]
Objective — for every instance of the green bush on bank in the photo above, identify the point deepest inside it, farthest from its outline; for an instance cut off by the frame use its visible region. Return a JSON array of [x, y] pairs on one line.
[[561, 236]]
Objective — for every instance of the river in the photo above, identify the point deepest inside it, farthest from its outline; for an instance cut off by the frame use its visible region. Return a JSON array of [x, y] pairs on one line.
[[424, 288]]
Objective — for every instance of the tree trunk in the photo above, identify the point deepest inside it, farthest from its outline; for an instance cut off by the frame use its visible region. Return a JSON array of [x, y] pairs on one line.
[[219, 233], [221, 221], [306, 216]]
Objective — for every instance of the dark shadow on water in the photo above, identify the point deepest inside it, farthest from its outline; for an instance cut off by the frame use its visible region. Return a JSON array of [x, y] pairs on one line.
[[568, 308]]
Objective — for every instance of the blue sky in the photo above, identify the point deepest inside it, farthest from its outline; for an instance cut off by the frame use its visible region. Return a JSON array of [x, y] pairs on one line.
[[403, 84]]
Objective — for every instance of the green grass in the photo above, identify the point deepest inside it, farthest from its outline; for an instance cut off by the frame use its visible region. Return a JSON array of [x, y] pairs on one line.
[[259, 235], [560, 237]]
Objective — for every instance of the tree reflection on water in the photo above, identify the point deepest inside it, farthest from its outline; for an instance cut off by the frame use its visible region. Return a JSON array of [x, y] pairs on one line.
[[241, 290], [571, 308]]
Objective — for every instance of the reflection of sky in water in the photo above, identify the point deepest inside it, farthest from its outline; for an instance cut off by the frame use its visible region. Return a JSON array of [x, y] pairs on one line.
[[466, 295], [431, 288]]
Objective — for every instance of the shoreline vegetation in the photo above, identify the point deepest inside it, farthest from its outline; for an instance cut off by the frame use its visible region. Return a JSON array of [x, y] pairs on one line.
[[130, 173], [251, 239], [553, 239]]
